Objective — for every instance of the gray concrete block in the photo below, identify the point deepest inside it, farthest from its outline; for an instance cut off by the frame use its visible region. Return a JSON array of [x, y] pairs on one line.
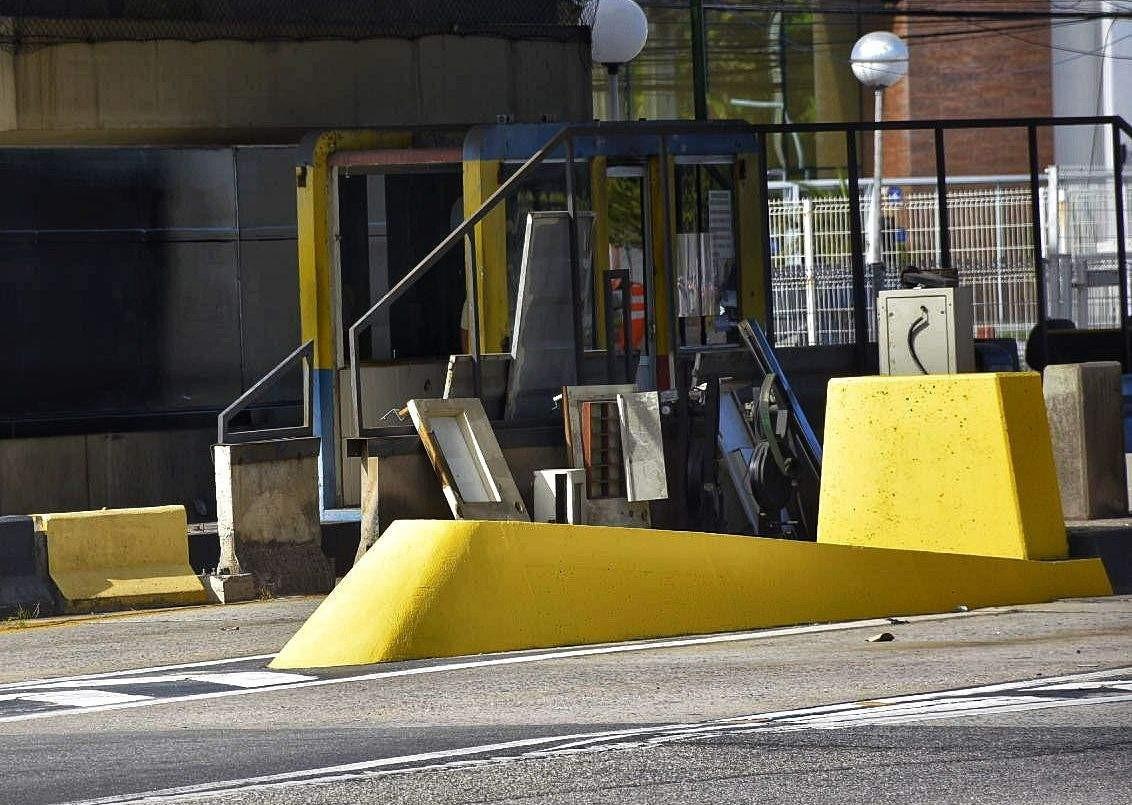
[[230, 589], [24, 584], [1111, 542], [398, 487], [268, 515], [1085, 408]]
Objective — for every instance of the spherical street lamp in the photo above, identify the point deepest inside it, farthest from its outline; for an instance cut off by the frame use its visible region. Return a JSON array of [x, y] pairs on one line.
[[879, 60], [618, 31]]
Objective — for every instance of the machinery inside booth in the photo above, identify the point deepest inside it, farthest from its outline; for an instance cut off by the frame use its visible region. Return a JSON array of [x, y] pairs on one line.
[[583, 303]]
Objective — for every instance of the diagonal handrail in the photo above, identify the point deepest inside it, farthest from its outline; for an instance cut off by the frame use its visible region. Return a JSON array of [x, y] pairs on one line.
[[465, 229], [224, 435]]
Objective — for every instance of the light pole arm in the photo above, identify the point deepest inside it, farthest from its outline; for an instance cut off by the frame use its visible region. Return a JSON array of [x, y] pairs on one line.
[[613, 107], [874, 254]]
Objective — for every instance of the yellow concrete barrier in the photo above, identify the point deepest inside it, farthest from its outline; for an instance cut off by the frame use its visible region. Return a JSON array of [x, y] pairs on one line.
[[951, 463], [443, 588], [121, 557]]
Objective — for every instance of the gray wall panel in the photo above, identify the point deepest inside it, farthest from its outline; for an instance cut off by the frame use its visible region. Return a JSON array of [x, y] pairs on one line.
[[269, 288], [150, 468], [197, 332], [192, 189], [134, 294], [266, 182]]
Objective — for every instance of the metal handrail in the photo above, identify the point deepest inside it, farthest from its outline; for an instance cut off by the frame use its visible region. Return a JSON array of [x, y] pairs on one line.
[[563, 137], [305, 353]]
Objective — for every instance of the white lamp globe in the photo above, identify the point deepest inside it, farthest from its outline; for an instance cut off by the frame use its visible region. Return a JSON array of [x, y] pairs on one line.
[[879, 59], [618, 31]]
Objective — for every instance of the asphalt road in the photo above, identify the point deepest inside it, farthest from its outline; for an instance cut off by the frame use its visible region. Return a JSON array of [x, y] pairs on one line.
[[1027, 704]]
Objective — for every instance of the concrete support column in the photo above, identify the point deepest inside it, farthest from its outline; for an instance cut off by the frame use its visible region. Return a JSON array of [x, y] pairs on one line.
[[268, 515], [1085, 407], [397, 485]]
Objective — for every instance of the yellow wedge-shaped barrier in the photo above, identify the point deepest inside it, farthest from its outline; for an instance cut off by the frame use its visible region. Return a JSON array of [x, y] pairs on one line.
[[951, 463], [936, 492], [442, 588], [118, 558]]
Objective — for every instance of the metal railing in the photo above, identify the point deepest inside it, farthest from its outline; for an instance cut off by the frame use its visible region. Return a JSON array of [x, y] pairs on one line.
[[859, 284], [224, 435], [857, 307]]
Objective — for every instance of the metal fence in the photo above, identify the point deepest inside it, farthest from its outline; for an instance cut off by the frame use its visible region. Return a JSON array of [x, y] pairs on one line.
[[991, 251]]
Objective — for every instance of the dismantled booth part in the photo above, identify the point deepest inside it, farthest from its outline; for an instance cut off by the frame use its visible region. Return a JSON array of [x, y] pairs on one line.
[[559, 496], [462, 447], [543, 342], [746, 409], [594, 444]]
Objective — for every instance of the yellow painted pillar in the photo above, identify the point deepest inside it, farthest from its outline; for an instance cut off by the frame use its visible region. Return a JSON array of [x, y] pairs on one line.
[[319, 315], [754, 274], [949, 463], [314, 180], [481, 179]]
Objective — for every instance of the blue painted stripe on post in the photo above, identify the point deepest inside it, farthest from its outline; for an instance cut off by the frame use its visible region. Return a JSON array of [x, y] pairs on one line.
[[325, 429]]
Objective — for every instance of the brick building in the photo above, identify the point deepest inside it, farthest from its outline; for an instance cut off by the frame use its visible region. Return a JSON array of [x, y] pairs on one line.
[[967, 69]]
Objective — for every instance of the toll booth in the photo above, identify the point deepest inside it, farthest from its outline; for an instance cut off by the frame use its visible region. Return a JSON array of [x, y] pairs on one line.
[[664, 242]]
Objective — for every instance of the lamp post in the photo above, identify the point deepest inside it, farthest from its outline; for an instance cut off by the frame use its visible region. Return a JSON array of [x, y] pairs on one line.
[[618, 32], [879, 60]]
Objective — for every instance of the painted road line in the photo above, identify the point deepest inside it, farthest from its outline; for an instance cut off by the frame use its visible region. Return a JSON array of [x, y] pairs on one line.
[[435, 667], [1070, 691], [152, 669], [82, 698], [237, 679], [78, 696]]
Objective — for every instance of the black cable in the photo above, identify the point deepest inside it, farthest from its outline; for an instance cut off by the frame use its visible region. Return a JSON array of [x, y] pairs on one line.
[[918, 326]]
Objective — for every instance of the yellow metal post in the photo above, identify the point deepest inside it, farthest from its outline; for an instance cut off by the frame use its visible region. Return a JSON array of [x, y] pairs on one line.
[[319, 315], [753, 274], [481, 179]]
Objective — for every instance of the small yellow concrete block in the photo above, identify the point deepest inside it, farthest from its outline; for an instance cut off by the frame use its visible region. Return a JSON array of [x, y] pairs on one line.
[[947, 463], [121, 557], [432, 588]]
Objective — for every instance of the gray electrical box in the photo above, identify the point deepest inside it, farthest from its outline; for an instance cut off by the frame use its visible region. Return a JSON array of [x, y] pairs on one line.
[[926, 331]]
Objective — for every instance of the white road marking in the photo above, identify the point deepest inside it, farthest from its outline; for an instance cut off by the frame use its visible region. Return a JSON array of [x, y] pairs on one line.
[[519, 658], [153, 669], [1071, 686], [252, 679], [891, 710], [236, 679], [84, 698]]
